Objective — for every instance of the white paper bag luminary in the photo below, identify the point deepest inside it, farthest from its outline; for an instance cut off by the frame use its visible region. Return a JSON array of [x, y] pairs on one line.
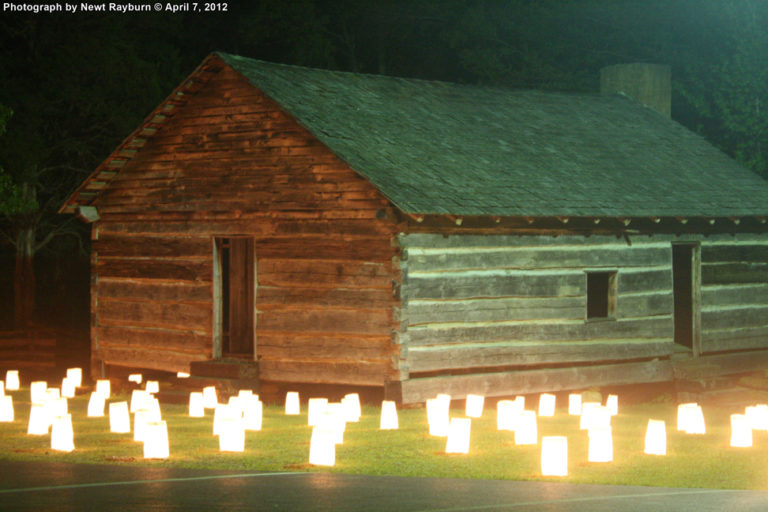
[[741, 431], [315, 409], [37, 391], [547, 404], [690, 418], [656, 438], [388, 419], [96, 405], [210, 398], [103, 388], [438, 411], [458, 435], [322, 448], [292, 405], [352, 409], [119, 418], [76, 376], [156, 440], [574, 404], [600, 445], [196, 408], [526, 431], [12, 382], [554, 456], [474, 406], [62, 435], [6, 408]]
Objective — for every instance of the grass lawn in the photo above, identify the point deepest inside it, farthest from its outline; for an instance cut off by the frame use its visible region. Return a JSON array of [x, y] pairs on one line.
[[283, 445]]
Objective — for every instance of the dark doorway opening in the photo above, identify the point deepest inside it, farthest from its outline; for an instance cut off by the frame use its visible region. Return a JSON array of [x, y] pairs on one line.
[[236, 274], [684, 286]]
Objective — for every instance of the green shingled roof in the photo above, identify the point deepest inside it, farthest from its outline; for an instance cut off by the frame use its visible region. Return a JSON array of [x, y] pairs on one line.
[[441, 148]]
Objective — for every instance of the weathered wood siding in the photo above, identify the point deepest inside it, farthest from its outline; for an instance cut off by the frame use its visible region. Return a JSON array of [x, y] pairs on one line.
[[734, 293], [227, 163], [496, 302]]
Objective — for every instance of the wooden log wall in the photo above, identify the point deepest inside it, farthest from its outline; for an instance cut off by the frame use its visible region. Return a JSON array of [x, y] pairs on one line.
[[734, 293], [472, 303], [228, 163]]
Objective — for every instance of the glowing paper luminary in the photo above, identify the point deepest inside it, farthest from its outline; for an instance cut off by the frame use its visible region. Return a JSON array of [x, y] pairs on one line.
[[547, 404], [39, 420], [141, 420], [322, 448], [6, 408], [388, 419], [182, 375], [474, 406], [690, 418], [68, 387], [574, 404], [12, 380], [352, 409], [103, 388], [223, 413], [57, 406], [156, 440], [62, 436], [757, 416], [2, 387], [135, 378], [253, 413], [292, 406], [594, 415], [210, 400], [196, 408], [612, 403], [119, 418], [656, 438], [315, 408], [438, 410], [333, 419], [231, 434], [458, 435], [37, 391], [152, 386], [600, 445], [139, 399], [507, 413], [554, 456], [525, 429], [741, 431], [76, 376], [96, 405]]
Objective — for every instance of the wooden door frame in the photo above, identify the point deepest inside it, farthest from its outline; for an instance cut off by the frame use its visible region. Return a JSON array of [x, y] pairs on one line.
[[695, 247], [218, 305]]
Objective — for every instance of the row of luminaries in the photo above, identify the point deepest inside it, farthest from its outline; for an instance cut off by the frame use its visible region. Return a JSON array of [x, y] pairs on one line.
[[244, 412]]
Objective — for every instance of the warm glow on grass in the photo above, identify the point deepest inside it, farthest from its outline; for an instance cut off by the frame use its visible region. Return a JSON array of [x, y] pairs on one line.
[[283, 444]]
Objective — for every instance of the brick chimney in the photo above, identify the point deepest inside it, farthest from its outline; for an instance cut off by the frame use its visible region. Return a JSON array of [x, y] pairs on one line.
[[650, 84]]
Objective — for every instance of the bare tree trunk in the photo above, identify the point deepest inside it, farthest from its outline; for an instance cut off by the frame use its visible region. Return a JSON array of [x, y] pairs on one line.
[[24, 276], [24, 279]]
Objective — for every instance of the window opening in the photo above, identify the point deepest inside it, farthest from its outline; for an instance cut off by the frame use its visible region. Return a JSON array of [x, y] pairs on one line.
[[601, 295]]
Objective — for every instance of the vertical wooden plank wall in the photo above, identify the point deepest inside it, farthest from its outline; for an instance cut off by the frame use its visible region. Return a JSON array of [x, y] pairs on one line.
[[231, 163], [734, 293]]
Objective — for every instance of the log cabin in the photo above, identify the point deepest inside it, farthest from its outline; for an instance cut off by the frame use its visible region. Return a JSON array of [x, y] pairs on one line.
[[326, 227]]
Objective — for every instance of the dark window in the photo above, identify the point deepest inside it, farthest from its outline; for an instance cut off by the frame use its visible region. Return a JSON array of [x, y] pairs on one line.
[[601, 294]]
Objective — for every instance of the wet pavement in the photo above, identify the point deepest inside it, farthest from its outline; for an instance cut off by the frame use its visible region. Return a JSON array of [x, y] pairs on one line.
[[61, 487]]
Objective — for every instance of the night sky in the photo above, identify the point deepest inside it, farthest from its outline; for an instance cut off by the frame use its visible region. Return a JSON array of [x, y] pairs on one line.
[[78, 83]]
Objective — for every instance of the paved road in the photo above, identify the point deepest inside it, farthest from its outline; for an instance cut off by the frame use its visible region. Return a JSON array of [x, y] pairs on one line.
[[42, 487]]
